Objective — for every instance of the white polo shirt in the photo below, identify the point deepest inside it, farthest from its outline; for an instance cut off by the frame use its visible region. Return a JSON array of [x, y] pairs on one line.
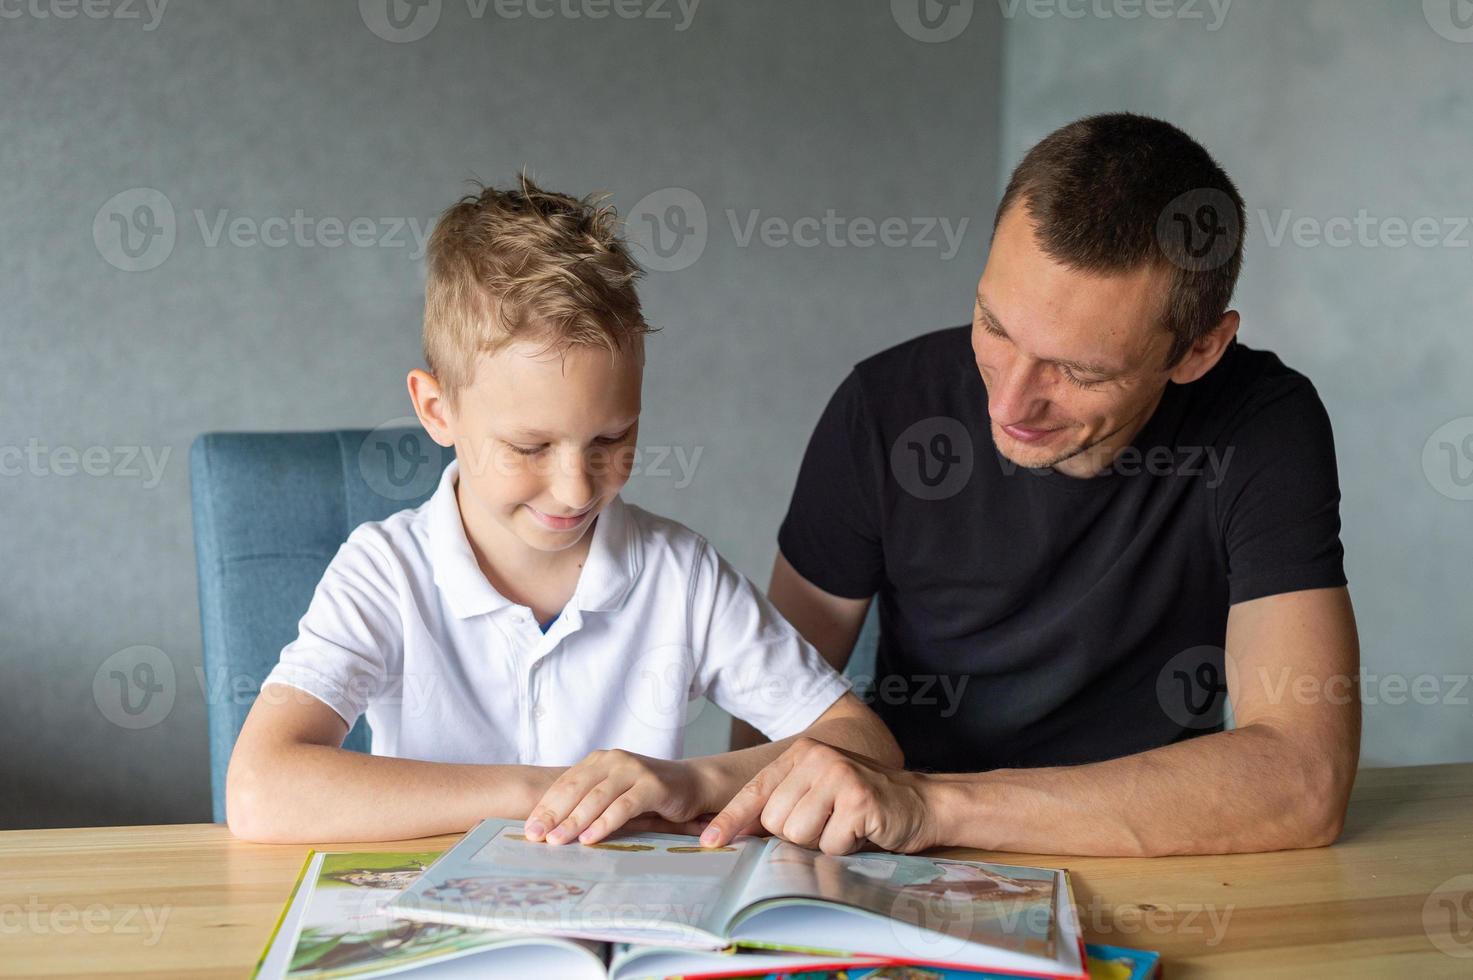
[[405, 627]]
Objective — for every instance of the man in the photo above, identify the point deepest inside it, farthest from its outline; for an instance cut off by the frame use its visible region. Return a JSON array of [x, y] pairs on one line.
[[1078, 514]]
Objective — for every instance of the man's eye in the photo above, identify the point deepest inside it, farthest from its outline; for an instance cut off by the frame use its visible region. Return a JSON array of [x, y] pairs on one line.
[[1077, 381]]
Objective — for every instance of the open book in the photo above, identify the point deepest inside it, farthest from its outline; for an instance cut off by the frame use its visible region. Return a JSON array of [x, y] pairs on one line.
[[666, 891], [334, 928]]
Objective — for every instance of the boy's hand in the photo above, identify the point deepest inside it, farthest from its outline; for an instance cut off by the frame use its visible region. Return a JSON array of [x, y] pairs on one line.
[[610, 788]]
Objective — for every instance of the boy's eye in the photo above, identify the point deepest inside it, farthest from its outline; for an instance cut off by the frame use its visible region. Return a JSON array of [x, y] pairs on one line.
[[611, 440], [527, 450]]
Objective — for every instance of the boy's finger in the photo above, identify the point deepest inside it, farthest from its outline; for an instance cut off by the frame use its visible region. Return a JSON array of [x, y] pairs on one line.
[[615, 816], [746, 806], [587, 810], [559, 801]]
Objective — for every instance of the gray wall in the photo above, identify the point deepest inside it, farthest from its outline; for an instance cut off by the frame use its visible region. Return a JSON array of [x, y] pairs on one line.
[[1322, 109], [256, 110]]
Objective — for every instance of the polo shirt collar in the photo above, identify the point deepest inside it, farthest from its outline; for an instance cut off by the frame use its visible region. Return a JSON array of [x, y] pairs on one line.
[[615, 555]]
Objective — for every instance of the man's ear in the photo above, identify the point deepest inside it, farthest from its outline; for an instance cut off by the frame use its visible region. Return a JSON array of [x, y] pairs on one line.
[[432, 406], [1207, 351]]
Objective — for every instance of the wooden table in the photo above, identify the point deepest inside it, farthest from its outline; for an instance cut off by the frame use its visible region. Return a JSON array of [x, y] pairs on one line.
[[1394, 898]]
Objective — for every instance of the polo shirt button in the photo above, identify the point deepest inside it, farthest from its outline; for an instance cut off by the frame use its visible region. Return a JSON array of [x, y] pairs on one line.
[[538, 712]]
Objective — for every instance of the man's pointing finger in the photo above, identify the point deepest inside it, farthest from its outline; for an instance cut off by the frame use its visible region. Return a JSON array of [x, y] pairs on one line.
[[746, 807]]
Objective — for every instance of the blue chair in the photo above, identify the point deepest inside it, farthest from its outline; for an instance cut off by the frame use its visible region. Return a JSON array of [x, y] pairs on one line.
[[270, 511]]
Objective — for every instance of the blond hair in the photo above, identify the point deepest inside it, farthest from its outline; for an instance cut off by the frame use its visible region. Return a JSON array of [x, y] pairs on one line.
[[526, 264]]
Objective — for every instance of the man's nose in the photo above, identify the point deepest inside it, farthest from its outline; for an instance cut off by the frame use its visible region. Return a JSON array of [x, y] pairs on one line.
[[1014, 395]]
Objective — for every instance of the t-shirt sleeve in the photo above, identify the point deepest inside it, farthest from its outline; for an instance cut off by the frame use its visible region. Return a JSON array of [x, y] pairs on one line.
[[749, 659], [350, 633], [831, 534], [1279, 503]]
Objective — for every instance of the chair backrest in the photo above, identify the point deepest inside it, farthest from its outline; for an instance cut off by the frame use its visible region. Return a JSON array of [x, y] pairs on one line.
[[862, 660], [270, 511]]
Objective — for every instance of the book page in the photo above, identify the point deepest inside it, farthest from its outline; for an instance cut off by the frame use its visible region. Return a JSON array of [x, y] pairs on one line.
[[658, 888], [958, 902], [335, 927], [641, 962]]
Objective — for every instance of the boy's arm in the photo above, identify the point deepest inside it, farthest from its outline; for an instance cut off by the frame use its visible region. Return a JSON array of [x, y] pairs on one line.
[[290, 781], [831, 623]]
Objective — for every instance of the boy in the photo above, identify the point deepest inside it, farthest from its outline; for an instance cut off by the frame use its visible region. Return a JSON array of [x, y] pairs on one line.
[[525, 617]]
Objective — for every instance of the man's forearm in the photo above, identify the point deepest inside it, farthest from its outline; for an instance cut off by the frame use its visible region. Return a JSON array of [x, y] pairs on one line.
[[318, 793], [1249, 789]]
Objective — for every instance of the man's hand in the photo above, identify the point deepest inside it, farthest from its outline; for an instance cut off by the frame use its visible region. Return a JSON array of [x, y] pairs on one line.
[[815, 795], [611, 788]]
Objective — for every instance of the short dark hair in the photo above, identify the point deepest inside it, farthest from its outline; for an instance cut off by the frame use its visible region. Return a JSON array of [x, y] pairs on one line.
[[1113, 192]]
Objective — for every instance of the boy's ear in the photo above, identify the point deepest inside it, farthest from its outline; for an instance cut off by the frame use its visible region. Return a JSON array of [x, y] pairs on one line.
[[432, 406]]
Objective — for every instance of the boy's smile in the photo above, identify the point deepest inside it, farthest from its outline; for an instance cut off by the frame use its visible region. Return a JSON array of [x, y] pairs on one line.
[[552, 522]]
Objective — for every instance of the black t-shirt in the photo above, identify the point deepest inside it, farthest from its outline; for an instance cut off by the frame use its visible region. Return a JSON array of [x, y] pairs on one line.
[[1029, 618]]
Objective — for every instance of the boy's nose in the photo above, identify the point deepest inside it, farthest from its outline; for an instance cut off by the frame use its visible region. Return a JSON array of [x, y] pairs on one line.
[[573, 485]]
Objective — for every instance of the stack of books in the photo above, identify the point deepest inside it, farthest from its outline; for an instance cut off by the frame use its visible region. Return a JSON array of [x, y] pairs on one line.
[[646, 906]]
